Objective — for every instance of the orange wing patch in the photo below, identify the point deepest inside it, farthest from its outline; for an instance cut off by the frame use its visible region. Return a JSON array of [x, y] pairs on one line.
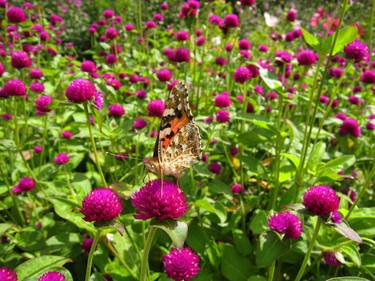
[[176, 125]]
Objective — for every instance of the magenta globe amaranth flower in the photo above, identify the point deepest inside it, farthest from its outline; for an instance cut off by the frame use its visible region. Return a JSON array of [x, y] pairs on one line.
[[155, 108], [307, 57], [88, 66], [159, 199], [241, 74], [231, 21], [80, 90], [357, 50], [86, 244], [286, 223], [164, 75], [14, 88], [116, 110], [111, 33], [37, 87], [16, 15], [330, 259], [336, 72], [236, 188], [368, 76], [321, 200], [52, 276], [139, 124], [222, 100], [181, 264], [67, 134], [101, 204], [222, 116], [7, 274], [247, 2], [291, 15], [61, 159], [215, 167], [24, 184], [20, 59], [350, 126], [42, 103], [182, 55], [244, 44], [35, 73]]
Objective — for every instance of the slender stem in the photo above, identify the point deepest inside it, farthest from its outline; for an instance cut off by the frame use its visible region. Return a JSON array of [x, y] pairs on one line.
[[91, 254], [307, 256], [271, 271], [122, 261], [146, 251], [94, 145]]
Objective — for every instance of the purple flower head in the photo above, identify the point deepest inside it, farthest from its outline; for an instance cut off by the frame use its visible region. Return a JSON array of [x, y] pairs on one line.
[[16, 15], [164, 75], [324, 99], [357, 50], [355, 100], [321, 200], [67, 134], [247, 2], [88, 66], [111, 59], [139, 124], [20, 59], [221, 61], [336, 72], [231, 21], [286, 223], [99, 100], [181, 55], [181, 264], [111, 33], [182, 35], [24, 184], [61, 159], [234, 150], [283, 57], [200, 40], [80, 90], [101, 204], [7, 274], [307, 57], [38, 148], [368, 76], [108, 13], [263, 48], [330, 259], [336, 217], [350, 126], [37, 87], [223, 100], [158, 17], [215, 167], [141, 94], [52, 276], [236, 188], [159, 199], [291, 15], [222, 116], [241, 74], [116, 110], [42, 103], [14, 88], [155, 108], [150, 24], [86, 244], [164, 6], [229, 47], [35, 73], [2, 69], [244, 44]]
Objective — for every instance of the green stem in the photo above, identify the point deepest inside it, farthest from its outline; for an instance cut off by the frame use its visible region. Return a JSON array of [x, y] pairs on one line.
[[146, 251], [271, 271], [122, 261], [307, 256], [94, 145], [91, 254]]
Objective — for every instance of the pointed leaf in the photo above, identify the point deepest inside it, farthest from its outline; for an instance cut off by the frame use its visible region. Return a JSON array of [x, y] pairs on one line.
[[310, 39], [347, 232], [176, 230]]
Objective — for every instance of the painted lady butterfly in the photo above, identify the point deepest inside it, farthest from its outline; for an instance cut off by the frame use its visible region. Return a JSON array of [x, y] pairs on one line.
[[178, 143]]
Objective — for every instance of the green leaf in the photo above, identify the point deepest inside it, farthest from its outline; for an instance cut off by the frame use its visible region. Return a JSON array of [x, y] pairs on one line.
[[258, 223], [39, 265], [344, 37], [212, 207], [176, 230], [272, 82], [4, 227], [347, 232], [352, 252], [316, 156], [235, 267], [347, 278], [310, 39], [270, 248], [241, 242], [257, 278]]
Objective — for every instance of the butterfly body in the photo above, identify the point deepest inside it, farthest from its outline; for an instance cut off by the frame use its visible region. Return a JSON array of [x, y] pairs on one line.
[[178, 142]]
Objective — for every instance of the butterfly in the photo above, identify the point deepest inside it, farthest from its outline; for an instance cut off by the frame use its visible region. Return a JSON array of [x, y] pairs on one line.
[[178, 144]]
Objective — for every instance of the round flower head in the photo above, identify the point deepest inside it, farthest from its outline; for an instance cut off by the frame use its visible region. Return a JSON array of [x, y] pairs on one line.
[[42, 103], [368, 76], [223, 100], [2, 69], [321, 200], [181, 264], [116, 110], [155, 108], [88, 66], [244, 44], [7, 274], [86, 244], [80, 90], [37, 87], [67, 134], [215, 167], [108, 13], [61, 159], [231, 21], [20, 59], [283, 57], [52, 276], [222, 116], [181, 55], [247, 2], [336, 72], [111, 33], [139, 124], [164, 75], [38, 148], [236, 188], [101, 204], [16, 15], [159, 199], [24, 184], [350, 126], [286, 223], [241, 74], [291, 15], [307, 57], [330, 259], [14, 88], [357, 50], [35, 73], [182, 35]]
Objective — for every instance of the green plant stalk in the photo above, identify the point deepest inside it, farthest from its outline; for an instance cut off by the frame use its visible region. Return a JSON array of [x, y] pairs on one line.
[[271, 271], [146, 251], [91, 254], [310, 121], [307, 256], [365, 186], [122, 261], [94, 145]]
